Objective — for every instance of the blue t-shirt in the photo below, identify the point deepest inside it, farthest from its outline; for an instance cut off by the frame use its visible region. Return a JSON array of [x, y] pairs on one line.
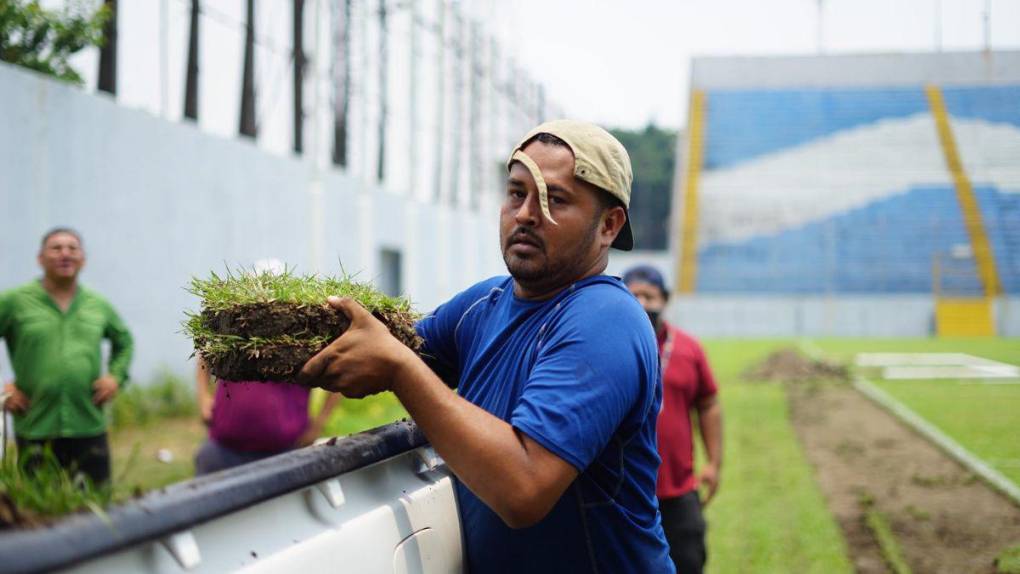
[[578, 373]]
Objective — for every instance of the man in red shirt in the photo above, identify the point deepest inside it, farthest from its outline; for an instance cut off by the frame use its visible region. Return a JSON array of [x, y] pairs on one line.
[[687, 384]]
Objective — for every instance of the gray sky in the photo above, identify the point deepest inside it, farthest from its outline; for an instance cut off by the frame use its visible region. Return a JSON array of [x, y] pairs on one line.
[[625, 63]]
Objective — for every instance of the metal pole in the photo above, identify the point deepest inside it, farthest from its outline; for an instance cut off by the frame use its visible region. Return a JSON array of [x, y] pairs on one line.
[[458, 113], [164, 55], [315, 177], [384, 63], [412, 93], [298, 54], [4, 436], [938, 25], [437, 176], [987, 17], [820, 28]]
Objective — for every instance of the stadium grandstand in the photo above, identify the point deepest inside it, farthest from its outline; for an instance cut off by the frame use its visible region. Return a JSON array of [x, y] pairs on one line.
[[891, 181]]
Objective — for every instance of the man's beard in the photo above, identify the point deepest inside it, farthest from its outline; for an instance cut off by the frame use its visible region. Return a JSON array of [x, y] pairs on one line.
[[540, 268]]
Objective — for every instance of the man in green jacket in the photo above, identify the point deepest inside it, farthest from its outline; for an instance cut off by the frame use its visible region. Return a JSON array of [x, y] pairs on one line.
[[54, 328]]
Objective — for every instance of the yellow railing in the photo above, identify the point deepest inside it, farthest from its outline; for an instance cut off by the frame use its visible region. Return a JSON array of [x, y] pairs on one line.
[[688, 256], [974, 223]]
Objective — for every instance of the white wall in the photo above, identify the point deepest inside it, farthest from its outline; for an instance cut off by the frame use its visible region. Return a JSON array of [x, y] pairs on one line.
[[159, 202]]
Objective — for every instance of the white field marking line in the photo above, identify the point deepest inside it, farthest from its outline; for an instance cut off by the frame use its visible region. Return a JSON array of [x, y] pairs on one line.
[[899, 366], [922, 359], [954, 449], [952, 372]]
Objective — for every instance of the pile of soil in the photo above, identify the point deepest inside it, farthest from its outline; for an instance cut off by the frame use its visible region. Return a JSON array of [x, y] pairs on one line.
[[791, 366], [943, 518], [271, 341]]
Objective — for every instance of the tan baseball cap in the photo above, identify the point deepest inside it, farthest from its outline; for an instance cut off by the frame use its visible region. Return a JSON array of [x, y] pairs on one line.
[[599, 159]]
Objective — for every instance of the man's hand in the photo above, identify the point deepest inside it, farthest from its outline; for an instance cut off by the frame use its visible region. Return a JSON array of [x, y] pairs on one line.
[[106, 388], [17, 401], [361, 362], [709, 479]]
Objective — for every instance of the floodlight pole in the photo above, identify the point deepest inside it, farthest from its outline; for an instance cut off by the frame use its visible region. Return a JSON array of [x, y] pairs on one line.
[[164, 55], [819, 28], [938, 25], [987, 18]]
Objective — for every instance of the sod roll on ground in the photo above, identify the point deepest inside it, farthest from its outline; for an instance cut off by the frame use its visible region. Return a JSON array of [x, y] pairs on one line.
[[264, 326]]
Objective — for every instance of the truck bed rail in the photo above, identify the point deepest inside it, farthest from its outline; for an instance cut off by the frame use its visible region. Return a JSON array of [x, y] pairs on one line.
[[159, 515]]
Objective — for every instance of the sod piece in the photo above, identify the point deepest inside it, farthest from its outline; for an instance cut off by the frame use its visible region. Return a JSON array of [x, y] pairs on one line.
[[264, 326]]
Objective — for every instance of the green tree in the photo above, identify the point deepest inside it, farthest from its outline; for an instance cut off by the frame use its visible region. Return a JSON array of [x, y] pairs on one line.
[[652, 154], [44, 39]]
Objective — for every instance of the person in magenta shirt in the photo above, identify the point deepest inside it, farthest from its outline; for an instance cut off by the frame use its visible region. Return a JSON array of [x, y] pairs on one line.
[[687, 384], [251, 420]]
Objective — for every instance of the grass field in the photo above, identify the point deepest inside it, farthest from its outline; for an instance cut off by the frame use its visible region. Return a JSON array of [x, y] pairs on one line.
[[769, 515]]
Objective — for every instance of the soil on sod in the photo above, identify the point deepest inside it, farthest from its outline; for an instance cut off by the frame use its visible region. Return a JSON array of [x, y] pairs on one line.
[[943, 518], [262, 327]]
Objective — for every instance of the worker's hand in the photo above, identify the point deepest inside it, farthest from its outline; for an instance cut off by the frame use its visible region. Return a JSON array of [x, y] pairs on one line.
[[708, 478], [361, 362], [17, 401], [106, 388]]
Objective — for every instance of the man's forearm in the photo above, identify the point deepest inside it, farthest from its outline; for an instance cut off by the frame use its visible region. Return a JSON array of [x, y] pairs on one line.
[[710, 424], [485, 453], [327, 409]]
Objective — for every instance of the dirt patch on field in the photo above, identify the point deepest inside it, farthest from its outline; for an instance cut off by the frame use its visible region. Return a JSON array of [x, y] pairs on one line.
[[791, 366], [943, 517]]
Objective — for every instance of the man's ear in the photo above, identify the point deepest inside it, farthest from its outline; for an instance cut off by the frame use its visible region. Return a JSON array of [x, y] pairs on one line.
[[612, 222]]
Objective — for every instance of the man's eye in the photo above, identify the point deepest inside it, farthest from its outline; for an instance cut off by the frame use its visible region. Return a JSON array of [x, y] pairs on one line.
[[557, 200]]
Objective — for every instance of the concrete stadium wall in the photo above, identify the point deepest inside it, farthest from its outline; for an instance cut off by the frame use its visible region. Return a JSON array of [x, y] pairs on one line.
[[159, 203], [820, 316]]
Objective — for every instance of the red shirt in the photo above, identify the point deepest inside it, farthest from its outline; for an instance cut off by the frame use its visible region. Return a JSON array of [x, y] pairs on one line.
[[686, 380]]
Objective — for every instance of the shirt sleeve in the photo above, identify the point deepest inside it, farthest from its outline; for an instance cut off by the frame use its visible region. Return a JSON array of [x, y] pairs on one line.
[[5, 320], [5, 312], [121, 345], [706, 380], [587, 377], [438, 331]]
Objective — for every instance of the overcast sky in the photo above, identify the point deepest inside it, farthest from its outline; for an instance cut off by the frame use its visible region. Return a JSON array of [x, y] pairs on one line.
[[620, 63], [627, 63]]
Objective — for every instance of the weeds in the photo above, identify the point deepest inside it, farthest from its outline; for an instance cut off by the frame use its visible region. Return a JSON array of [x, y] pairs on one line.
[[167, 396], [35, 488]]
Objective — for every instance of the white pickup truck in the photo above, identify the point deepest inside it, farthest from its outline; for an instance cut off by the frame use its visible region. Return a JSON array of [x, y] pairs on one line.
[[378, 501]]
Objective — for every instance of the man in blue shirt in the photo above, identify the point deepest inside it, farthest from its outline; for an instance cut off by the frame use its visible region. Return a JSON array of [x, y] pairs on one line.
[[552, 434]]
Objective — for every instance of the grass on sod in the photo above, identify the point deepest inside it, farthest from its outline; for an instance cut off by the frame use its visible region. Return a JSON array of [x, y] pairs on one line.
[[982, 417], [220, 293], [264, 326]]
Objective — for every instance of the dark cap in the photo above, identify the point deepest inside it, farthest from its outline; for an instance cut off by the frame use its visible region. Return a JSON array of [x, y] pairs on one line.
[[645, 274]]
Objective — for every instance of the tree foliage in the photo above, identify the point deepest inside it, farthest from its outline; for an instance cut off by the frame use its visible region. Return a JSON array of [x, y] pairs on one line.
[[44, 39], [652, 152]]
